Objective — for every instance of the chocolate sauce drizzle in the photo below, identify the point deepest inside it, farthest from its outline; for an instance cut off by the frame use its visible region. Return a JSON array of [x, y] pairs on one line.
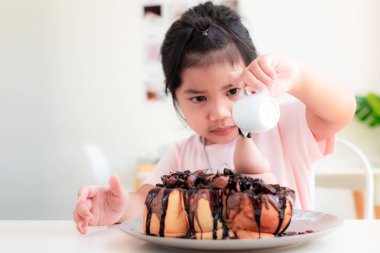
[[190, 213], [187, 207], [148, 203], [257, 204], [281, 213], [216, 205], [165, 199], [217, 185]]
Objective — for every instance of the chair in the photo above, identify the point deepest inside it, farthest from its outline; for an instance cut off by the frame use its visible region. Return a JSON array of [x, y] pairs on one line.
[[332, 182]]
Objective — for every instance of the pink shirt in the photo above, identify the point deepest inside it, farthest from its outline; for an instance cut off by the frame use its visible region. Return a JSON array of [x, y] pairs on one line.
[[290, 148]]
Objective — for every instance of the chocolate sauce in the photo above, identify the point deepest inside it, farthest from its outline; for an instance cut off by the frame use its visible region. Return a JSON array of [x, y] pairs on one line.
[[286, 227], [203, 193], [217, 211], [290, 233], [165, 200], [281, 213], [257, 204], [148, 203], [190, 213]]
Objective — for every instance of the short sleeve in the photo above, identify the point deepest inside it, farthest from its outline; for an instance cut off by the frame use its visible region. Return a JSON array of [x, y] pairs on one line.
[[293, 120], [169, 162]]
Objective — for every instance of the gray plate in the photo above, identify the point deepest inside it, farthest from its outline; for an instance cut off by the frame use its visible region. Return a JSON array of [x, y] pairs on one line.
[[320, 223]]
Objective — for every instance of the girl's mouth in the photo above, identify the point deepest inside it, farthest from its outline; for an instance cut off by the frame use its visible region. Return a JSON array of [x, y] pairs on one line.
[[223, 131]]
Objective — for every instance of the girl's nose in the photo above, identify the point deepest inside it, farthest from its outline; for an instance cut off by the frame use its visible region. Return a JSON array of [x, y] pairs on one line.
[[219, 111]]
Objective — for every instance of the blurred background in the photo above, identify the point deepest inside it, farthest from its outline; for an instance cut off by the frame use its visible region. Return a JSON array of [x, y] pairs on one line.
[[80, 90]]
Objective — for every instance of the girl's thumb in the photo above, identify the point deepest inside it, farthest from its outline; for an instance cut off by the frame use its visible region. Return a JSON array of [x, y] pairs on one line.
[[115, 186]]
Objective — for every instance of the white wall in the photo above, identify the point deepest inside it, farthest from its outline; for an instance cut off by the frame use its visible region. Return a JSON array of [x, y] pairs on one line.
[[70, 74]]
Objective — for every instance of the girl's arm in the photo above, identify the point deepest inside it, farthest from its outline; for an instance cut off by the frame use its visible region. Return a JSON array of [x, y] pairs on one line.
[[329, 104]]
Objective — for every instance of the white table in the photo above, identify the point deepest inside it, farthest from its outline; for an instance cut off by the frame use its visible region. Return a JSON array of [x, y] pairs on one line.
[[61, 236]]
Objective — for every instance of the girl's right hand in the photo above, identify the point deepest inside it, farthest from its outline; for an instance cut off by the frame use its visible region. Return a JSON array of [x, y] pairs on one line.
[[100, 205], [274, 73]]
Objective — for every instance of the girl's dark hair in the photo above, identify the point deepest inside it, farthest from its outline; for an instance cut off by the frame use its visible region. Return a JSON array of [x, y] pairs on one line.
[[204, 35]]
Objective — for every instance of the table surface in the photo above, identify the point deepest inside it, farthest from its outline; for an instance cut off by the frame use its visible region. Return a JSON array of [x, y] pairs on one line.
[[61, 236]]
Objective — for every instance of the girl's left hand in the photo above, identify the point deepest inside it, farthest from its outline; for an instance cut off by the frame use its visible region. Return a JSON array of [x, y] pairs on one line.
[[273, 73]]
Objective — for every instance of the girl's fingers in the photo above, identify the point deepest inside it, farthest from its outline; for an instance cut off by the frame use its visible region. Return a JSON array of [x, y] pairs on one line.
[[76, 217], [265, 64], [79, 222], [83, 227], [83, 216], [83, 210], [116, 187], [259, 73], [253, 84], [88, 191]]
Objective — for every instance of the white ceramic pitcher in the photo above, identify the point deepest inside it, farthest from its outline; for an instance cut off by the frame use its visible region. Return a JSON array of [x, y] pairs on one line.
[[256, 113]]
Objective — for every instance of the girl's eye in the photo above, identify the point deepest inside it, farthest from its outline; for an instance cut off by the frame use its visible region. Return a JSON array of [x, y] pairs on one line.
[[198, 99], [233, 91]]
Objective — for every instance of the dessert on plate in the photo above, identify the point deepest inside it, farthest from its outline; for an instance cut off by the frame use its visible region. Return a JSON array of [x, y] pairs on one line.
[[224, 205]]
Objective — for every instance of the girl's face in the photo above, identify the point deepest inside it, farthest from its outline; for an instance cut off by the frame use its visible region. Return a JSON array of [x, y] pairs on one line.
[[205, 97]]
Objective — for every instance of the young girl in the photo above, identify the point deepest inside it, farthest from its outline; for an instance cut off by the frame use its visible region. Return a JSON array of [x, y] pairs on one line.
[[208, 57]]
